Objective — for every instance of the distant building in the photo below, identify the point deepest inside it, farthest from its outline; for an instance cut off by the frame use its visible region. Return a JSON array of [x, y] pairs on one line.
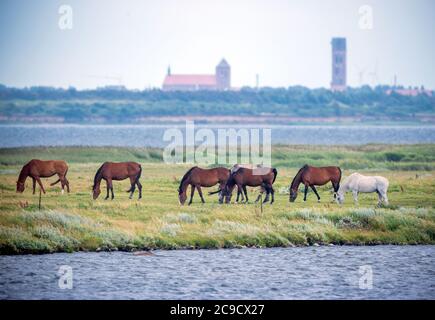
[[339, 61], [221, 80]]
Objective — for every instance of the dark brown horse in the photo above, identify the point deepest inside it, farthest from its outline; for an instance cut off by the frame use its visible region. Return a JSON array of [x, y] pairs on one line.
[[264, 177], [110, 171], [315, 176], [37, 169], [197, 177]]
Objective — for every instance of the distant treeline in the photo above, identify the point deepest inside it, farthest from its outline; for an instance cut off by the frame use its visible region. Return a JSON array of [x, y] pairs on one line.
[[117, 104]]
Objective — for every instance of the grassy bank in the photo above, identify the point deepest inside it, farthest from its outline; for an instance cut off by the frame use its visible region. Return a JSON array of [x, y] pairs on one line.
[[372, 156], [76, 222]]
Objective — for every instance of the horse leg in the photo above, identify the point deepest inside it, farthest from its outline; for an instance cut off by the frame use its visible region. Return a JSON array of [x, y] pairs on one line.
[[272, 191], [139, 186], [238, 194], [200, 193], [67, 185], [384, 196], [241, 193], [40, 184], [34, 185], [305, 192], [109, 181], [191, 194], [246, 193], [259, 195], [355, 196], [315, 191], [266, 199], [336, 186], [108, 190], [62, 183], [132, 186]]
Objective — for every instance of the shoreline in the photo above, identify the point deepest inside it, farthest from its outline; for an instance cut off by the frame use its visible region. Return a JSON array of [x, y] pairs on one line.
[[224, 120], [151, 251]]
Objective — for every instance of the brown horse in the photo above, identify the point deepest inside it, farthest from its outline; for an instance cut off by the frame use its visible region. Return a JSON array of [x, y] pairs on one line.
[[264, 177], [117, 171], [315, 176], [37, 169], [197, 177]]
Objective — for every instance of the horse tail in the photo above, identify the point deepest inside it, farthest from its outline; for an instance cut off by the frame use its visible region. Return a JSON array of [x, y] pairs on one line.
[[139, 174], [52, 184], [275, 172], [214, 192], [339, 178], [136, 180]]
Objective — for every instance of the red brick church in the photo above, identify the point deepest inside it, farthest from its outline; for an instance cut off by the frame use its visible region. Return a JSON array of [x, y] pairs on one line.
[[221, 80]]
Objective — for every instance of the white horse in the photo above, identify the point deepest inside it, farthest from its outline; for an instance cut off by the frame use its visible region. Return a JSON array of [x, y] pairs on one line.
[[358, 183]]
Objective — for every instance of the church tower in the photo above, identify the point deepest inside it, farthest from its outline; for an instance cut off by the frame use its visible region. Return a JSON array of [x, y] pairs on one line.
[[339, 62], [223, 75]]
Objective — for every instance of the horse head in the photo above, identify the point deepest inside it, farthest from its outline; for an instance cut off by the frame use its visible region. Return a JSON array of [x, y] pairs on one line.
[[226, 193], [293, 194], [340, 197], [182, 196], [20, 186], [96, 191]]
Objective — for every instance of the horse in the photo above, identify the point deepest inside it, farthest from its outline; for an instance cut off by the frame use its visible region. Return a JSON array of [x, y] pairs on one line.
[[37, 169], [314, 176], [261, 176], [359, 183], [234, 169], [117, 171], [197, 177]]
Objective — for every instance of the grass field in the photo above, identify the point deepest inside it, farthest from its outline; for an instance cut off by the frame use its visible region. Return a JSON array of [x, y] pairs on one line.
[[75, 222]]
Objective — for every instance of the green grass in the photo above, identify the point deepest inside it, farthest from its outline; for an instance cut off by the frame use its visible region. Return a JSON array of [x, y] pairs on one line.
[[373, 156], [75, 222]]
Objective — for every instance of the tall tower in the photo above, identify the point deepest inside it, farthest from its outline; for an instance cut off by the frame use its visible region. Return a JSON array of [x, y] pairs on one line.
[[223, 75], [339, 61]]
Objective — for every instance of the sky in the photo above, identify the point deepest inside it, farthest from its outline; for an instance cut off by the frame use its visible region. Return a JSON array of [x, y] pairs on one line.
[[285, 42]]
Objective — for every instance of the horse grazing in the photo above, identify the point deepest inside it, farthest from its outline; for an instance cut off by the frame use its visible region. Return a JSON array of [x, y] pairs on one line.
[[261, 176], [197, 177], [110, 171], [234, 169], [315, 176], [358, 183], [37, 169]]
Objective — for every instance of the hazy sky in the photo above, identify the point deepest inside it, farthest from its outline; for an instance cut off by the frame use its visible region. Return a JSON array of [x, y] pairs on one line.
[[287, 42]]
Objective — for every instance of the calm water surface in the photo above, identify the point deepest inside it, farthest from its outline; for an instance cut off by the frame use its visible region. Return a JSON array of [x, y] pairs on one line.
[[399, 272], [152, 135]]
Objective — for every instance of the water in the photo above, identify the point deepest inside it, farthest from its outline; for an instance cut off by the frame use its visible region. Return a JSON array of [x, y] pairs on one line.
[[152, 135], [399, 272]]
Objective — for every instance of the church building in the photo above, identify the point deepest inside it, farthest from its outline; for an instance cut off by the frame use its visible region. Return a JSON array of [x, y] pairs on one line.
[[221, 80]]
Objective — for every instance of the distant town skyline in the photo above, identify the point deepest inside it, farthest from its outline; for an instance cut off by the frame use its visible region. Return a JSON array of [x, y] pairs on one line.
[[285, 42]]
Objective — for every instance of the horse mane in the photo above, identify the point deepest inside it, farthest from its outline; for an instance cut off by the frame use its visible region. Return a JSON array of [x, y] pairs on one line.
[[301, 170], [24, 172], [186, 175], [96, 175]]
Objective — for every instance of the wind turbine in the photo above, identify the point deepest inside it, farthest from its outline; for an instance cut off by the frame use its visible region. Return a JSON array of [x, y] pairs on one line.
[[116, 78], [361, 72], [374, 75]]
